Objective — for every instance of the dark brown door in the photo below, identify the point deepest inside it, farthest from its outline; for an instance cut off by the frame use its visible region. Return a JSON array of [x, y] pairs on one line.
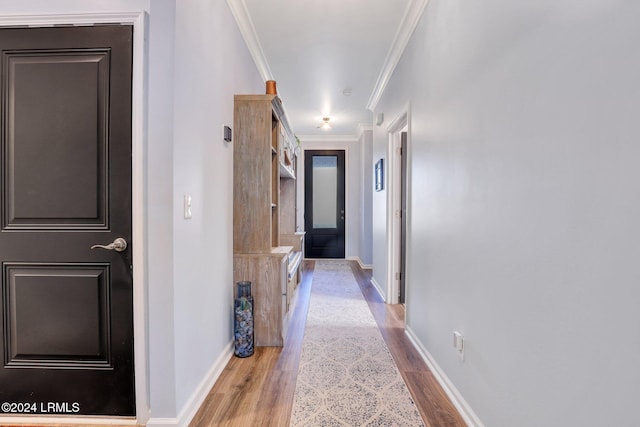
[[67, 310], [403, 215], [324, 199]]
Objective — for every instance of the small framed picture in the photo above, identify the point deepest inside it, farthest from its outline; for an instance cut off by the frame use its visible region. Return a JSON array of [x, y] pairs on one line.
[[379, 175]]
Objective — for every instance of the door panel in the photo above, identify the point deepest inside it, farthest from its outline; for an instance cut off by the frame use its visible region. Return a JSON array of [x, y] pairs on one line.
[[324, 204], [67, 309], [57, 315], [66, 94]]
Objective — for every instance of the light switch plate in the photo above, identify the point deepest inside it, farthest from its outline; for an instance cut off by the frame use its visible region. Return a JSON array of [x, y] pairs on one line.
[[458, 341], [187, 206]]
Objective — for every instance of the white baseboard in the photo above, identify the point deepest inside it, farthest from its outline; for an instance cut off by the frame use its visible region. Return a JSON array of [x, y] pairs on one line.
[[79, 420], [360, 263], [199, 395], [159, 422], [378, 288], [458, 401]]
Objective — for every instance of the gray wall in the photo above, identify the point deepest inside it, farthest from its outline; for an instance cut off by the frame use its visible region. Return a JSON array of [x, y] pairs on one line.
[[365, 141], [212, 64], [525, 205]]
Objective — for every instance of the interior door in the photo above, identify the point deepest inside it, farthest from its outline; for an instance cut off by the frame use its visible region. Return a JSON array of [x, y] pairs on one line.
[[67, 309], [403, 216], [324, 203]]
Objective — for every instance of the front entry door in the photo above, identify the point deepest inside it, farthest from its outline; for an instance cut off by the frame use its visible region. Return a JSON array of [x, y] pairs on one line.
[[65, 171], [324, 200]]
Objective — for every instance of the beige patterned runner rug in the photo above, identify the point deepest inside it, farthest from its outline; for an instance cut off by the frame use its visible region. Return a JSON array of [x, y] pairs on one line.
[[347, 376]]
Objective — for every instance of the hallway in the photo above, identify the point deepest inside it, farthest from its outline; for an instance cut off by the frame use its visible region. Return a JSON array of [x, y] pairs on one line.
[[259, 390]]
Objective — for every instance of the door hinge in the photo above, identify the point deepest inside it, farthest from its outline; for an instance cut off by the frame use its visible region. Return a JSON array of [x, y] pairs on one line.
[[398, 275]]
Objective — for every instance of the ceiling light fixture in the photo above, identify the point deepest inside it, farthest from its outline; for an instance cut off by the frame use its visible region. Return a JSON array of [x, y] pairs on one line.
[[325, 123]]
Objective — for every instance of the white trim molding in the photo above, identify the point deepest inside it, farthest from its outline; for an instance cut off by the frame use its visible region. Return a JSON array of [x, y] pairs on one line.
[[328, 138], [363, 127], [248, 31], [67, 421], [75, 19], [360, 263], [405, 30], [378, 288], [452, 392], [393, 180]]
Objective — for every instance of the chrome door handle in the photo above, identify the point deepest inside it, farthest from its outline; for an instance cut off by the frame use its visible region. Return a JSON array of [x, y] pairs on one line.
[[117, 245]]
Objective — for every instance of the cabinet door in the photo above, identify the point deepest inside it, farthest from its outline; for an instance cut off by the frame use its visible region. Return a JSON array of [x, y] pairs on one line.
[[267, 273]]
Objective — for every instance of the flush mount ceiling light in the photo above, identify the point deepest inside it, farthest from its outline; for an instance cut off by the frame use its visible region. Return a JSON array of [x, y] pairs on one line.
[[325, 123]]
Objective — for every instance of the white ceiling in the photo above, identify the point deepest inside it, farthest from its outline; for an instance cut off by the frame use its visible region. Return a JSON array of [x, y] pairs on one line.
[[316, 49]]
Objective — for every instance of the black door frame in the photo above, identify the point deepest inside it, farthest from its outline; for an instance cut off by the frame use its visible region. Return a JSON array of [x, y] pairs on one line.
[[338, 247]]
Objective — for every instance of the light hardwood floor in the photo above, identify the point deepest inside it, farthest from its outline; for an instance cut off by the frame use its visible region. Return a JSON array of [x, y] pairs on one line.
[[258, 391]]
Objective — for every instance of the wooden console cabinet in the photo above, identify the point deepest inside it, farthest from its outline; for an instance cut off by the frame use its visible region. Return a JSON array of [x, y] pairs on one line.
[[267, 247]]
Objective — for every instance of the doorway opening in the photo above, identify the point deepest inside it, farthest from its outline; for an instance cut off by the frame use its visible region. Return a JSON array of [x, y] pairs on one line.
[[397, 212]]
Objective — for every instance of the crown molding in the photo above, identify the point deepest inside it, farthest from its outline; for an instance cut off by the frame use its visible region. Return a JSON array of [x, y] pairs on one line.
[[248, 31], [245, 24], [405, 30], [328, 138], [76, 19], [363, 127]]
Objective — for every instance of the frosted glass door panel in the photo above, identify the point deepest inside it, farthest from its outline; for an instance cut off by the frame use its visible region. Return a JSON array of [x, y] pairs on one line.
[[325, 196], [324, 217]]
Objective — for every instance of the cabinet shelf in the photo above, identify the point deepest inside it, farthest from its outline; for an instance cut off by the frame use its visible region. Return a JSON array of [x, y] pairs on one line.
[[286, 172]]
